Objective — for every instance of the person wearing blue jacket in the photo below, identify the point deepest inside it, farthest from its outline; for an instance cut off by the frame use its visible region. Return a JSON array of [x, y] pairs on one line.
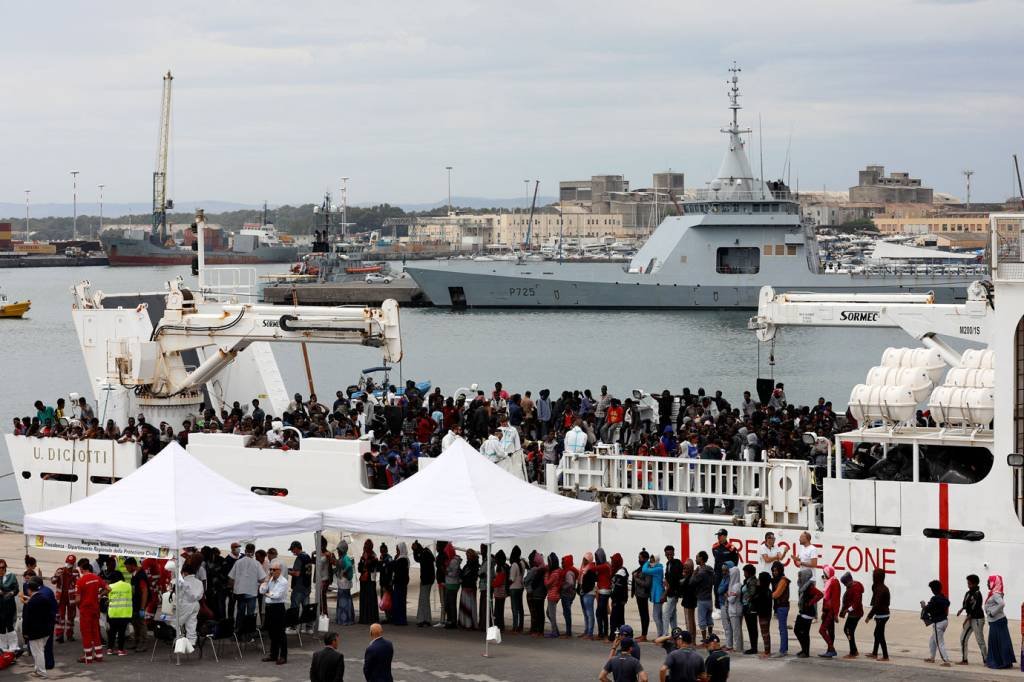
[[654, 569]]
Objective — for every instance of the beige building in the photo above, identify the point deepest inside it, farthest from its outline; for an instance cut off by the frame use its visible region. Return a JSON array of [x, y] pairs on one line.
[[935, 224], [510, 228]]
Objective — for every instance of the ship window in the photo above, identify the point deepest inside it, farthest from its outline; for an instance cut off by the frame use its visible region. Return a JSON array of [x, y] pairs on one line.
[[64, 478], [937, 463], [266, 490], [738, 260], [790, 249], [104, 480]]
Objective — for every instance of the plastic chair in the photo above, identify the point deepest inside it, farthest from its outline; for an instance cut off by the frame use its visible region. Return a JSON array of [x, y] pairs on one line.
[[291, 622], [166, 633], [248, 631], [216, 632]]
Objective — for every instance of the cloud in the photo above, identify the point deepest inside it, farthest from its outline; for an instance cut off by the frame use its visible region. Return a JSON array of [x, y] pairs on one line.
[[275, 102]]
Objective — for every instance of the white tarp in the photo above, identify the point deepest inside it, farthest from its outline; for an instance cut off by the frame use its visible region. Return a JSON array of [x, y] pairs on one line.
[[463, 497], [172, 501], [890, 251]]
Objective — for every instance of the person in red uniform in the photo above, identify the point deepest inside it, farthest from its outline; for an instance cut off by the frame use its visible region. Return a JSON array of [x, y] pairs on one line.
[[63, 582], [159, 579], [829, 612], [88, 590]]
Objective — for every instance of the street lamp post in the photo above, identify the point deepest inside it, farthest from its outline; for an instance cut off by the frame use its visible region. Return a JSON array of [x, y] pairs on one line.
[[344, 206], [449, 169], [74, 204], [27, 211], [101, 210]]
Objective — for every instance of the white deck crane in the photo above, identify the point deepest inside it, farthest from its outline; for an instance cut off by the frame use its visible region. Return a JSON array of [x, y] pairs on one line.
[[916, 314], [160, 201]]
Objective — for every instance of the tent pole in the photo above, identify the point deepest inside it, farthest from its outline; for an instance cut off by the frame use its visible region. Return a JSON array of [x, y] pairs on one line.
[[487, 575], [177, 599], [599, 534], [316, 578]]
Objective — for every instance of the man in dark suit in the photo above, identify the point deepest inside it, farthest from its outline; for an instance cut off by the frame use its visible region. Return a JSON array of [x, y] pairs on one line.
[[377, 659], [328, 664]]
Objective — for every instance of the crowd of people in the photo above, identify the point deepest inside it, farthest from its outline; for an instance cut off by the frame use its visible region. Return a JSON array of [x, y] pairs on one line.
[[246, 590]]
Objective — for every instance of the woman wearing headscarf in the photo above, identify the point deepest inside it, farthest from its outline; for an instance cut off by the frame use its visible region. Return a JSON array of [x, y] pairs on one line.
[[553, 585], [604, 591], [425, 558], [535, 593], [344, 613], [653, 569], [733, 607], [1000, 647], [780, 602], [829, 612], [516, 572], [467, 603], [808, 597], [399, 584], [641, 589], [880, 612], [619, 596], [452, 579], [367, 568], [588, 594]]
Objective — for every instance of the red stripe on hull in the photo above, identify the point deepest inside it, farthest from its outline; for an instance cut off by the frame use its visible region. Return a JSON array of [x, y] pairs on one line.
[[684, 541], [944, 542]]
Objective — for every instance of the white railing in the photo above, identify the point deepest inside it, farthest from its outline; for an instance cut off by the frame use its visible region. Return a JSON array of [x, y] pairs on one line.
[[782, 486], [237, 284]]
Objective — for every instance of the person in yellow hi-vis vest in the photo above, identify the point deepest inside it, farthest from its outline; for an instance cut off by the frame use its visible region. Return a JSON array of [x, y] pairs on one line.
[[119, 613]]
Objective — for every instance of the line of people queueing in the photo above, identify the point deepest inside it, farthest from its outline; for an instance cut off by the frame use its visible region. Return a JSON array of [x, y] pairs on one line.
[[748, 599]]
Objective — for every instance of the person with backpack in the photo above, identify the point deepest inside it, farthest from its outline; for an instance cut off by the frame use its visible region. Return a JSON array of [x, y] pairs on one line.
[[641, 590], [570, 583], [656, 571], [588, 594], [974, 618], [619, 595]]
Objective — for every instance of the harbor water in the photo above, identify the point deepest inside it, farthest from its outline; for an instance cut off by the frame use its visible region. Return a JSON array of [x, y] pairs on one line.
[[524, 349]]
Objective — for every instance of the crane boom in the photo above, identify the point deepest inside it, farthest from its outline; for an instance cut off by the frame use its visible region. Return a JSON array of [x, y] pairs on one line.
[[160, 201], [916, 314]]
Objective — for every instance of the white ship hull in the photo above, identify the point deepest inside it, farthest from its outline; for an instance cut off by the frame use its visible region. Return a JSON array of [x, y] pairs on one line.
[[327, 473]]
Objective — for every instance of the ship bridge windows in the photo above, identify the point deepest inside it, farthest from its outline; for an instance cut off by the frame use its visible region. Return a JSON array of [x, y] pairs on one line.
[[936, 463], [738, 260]]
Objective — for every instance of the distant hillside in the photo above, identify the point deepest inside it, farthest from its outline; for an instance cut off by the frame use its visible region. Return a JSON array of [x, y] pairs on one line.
[[479, 202], [44, 210]]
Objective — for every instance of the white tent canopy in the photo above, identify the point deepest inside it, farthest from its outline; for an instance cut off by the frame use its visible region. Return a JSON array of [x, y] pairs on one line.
[[173, 501], [463, 497]]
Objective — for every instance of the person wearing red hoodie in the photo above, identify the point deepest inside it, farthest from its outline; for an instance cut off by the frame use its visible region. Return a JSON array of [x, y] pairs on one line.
[[570, 580], [604, 591], [553, 583], [852, 609], [829, 612]]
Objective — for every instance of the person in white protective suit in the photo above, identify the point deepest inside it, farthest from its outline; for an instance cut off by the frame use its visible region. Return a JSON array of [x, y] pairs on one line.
[[187, 594], [515, 463]]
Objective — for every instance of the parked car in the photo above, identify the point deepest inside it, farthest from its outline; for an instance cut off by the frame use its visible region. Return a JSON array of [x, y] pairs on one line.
[[374, 278]]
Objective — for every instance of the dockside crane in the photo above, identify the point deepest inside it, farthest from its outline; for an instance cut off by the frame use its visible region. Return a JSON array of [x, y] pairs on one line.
[[160, 201]]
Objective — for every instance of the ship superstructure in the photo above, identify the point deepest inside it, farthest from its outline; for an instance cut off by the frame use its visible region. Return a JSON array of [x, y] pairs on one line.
[[733, 237]]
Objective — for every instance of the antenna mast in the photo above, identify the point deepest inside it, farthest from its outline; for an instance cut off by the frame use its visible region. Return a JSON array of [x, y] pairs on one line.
[[967, 174], [160, 201]]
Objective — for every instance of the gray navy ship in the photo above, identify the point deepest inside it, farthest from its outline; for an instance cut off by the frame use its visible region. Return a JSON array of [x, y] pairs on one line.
[[735, 236]]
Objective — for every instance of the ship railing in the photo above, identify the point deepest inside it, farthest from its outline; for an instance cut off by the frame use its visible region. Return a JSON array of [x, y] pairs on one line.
[[729, 194], [1007, 230], [781, 486], [923, 270], [230, 284]]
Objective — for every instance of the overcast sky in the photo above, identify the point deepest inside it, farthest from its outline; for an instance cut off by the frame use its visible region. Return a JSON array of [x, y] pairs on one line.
[[278, 100]]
